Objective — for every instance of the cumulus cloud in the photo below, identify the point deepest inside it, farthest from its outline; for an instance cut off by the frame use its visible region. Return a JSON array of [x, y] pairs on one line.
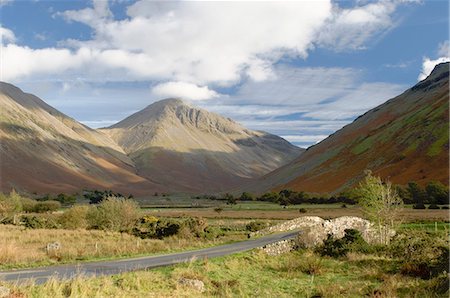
[[6, 36], [352, 28], [428, 64], [184, 90], [204, 43]]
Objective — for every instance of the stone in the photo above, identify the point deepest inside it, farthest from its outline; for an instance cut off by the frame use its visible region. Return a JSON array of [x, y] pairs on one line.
[[314, 230], [192, 283], [294, 224], [53, 246], [4, 292], [280, 247]]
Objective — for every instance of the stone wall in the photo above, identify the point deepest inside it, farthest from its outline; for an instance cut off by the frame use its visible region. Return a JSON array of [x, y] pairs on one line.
[[294, 224], [313, 230], [278, 248]]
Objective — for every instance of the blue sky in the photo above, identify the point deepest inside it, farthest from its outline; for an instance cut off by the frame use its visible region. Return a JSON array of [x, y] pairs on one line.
[[301, 69]]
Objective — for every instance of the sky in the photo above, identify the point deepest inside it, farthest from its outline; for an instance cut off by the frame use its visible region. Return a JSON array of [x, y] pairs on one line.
[[298, 69]]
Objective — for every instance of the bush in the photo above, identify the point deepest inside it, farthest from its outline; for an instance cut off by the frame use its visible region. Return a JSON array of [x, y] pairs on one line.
[[419, 206], [302, 210], [433, 206], [47, 206], [445, 207], [424, 254], [65, 199], [352, 241], [10, 205], [40, 222], [28, 205], [151, 227], [255, 226], [114, 214], [74, 218]]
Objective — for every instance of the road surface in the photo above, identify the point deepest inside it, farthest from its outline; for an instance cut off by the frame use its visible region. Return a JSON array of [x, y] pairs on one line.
[[41, 275]]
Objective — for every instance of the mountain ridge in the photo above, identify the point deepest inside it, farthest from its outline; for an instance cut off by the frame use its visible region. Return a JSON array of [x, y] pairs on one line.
[[194, 140], [403, 139]]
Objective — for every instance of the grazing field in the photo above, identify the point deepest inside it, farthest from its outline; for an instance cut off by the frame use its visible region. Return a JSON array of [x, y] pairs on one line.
[[259, 210], [22, 247], [254, 274]]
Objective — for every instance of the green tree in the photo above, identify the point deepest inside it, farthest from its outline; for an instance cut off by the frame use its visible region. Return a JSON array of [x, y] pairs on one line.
[[416, 192], [231, 200], [114, 214], [246, 196], [10, 206], [437, 192], [381, 204]]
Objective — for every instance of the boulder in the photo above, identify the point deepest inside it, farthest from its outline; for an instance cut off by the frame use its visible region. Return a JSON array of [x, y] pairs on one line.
[[192, 283]]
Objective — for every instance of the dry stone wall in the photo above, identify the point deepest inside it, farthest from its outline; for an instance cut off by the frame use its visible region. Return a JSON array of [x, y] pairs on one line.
[[313, 230]]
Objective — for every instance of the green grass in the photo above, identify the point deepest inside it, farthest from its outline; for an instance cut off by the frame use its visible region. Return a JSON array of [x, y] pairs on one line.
[[426, 226], [250, 274]]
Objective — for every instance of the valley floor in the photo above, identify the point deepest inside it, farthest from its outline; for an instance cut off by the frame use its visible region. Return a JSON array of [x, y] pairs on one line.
[[254, 274]]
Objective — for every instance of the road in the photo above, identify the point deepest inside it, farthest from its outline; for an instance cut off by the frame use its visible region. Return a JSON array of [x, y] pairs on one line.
[[41, 275]]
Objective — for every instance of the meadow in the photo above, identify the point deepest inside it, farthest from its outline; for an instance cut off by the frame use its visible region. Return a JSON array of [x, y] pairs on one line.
[[301, 273]]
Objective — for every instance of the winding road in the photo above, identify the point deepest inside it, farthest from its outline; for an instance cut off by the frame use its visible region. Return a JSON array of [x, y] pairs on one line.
[[68, 271]]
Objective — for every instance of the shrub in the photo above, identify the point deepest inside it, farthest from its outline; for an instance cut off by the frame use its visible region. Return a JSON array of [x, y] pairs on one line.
[[39, 222], [47, 206], [424, 254], [255, 226], [246, 196], [187, 227], [433, 206], [65, 199], [352, 241], [28, 205], [114, 214], [419, 206], [445, 207], [10, 205], [74, 218], [302, 210]]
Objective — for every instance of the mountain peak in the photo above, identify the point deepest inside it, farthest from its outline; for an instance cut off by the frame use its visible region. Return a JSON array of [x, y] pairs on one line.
[[169, 102]]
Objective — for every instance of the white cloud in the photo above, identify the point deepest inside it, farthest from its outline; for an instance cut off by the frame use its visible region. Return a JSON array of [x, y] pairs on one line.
[[5, 2], [352, 28], [304, 138], [428, 64], [204, 43], [444, 49], [6, 36], [184, 90]]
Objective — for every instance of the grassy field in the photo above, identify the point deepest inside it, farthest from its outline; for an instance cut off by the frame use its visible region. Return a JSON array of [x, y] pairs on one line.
[[253, 274], [258, 210], [21, 247]]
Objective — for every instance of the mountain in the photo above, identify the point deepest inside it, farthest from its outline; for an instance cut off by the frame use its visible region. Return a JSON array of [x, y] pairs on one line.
[[44, 151], [191, 149], [405, 139]]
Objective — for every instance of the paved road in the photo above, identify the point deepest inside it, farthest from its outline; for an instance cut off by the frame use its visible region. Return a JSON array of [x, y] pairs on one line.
[[41, 275]]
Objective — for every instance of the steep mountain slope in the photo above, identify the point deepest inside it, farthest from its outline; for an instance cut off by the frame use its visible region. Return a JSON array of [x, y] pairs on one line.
[[43, 150], [191, 149], [404, 139]]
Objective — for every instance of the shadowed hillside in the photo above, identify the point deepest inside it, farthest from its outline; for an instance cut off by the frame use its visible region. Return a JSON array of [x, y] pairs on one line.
[[404, 139]]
